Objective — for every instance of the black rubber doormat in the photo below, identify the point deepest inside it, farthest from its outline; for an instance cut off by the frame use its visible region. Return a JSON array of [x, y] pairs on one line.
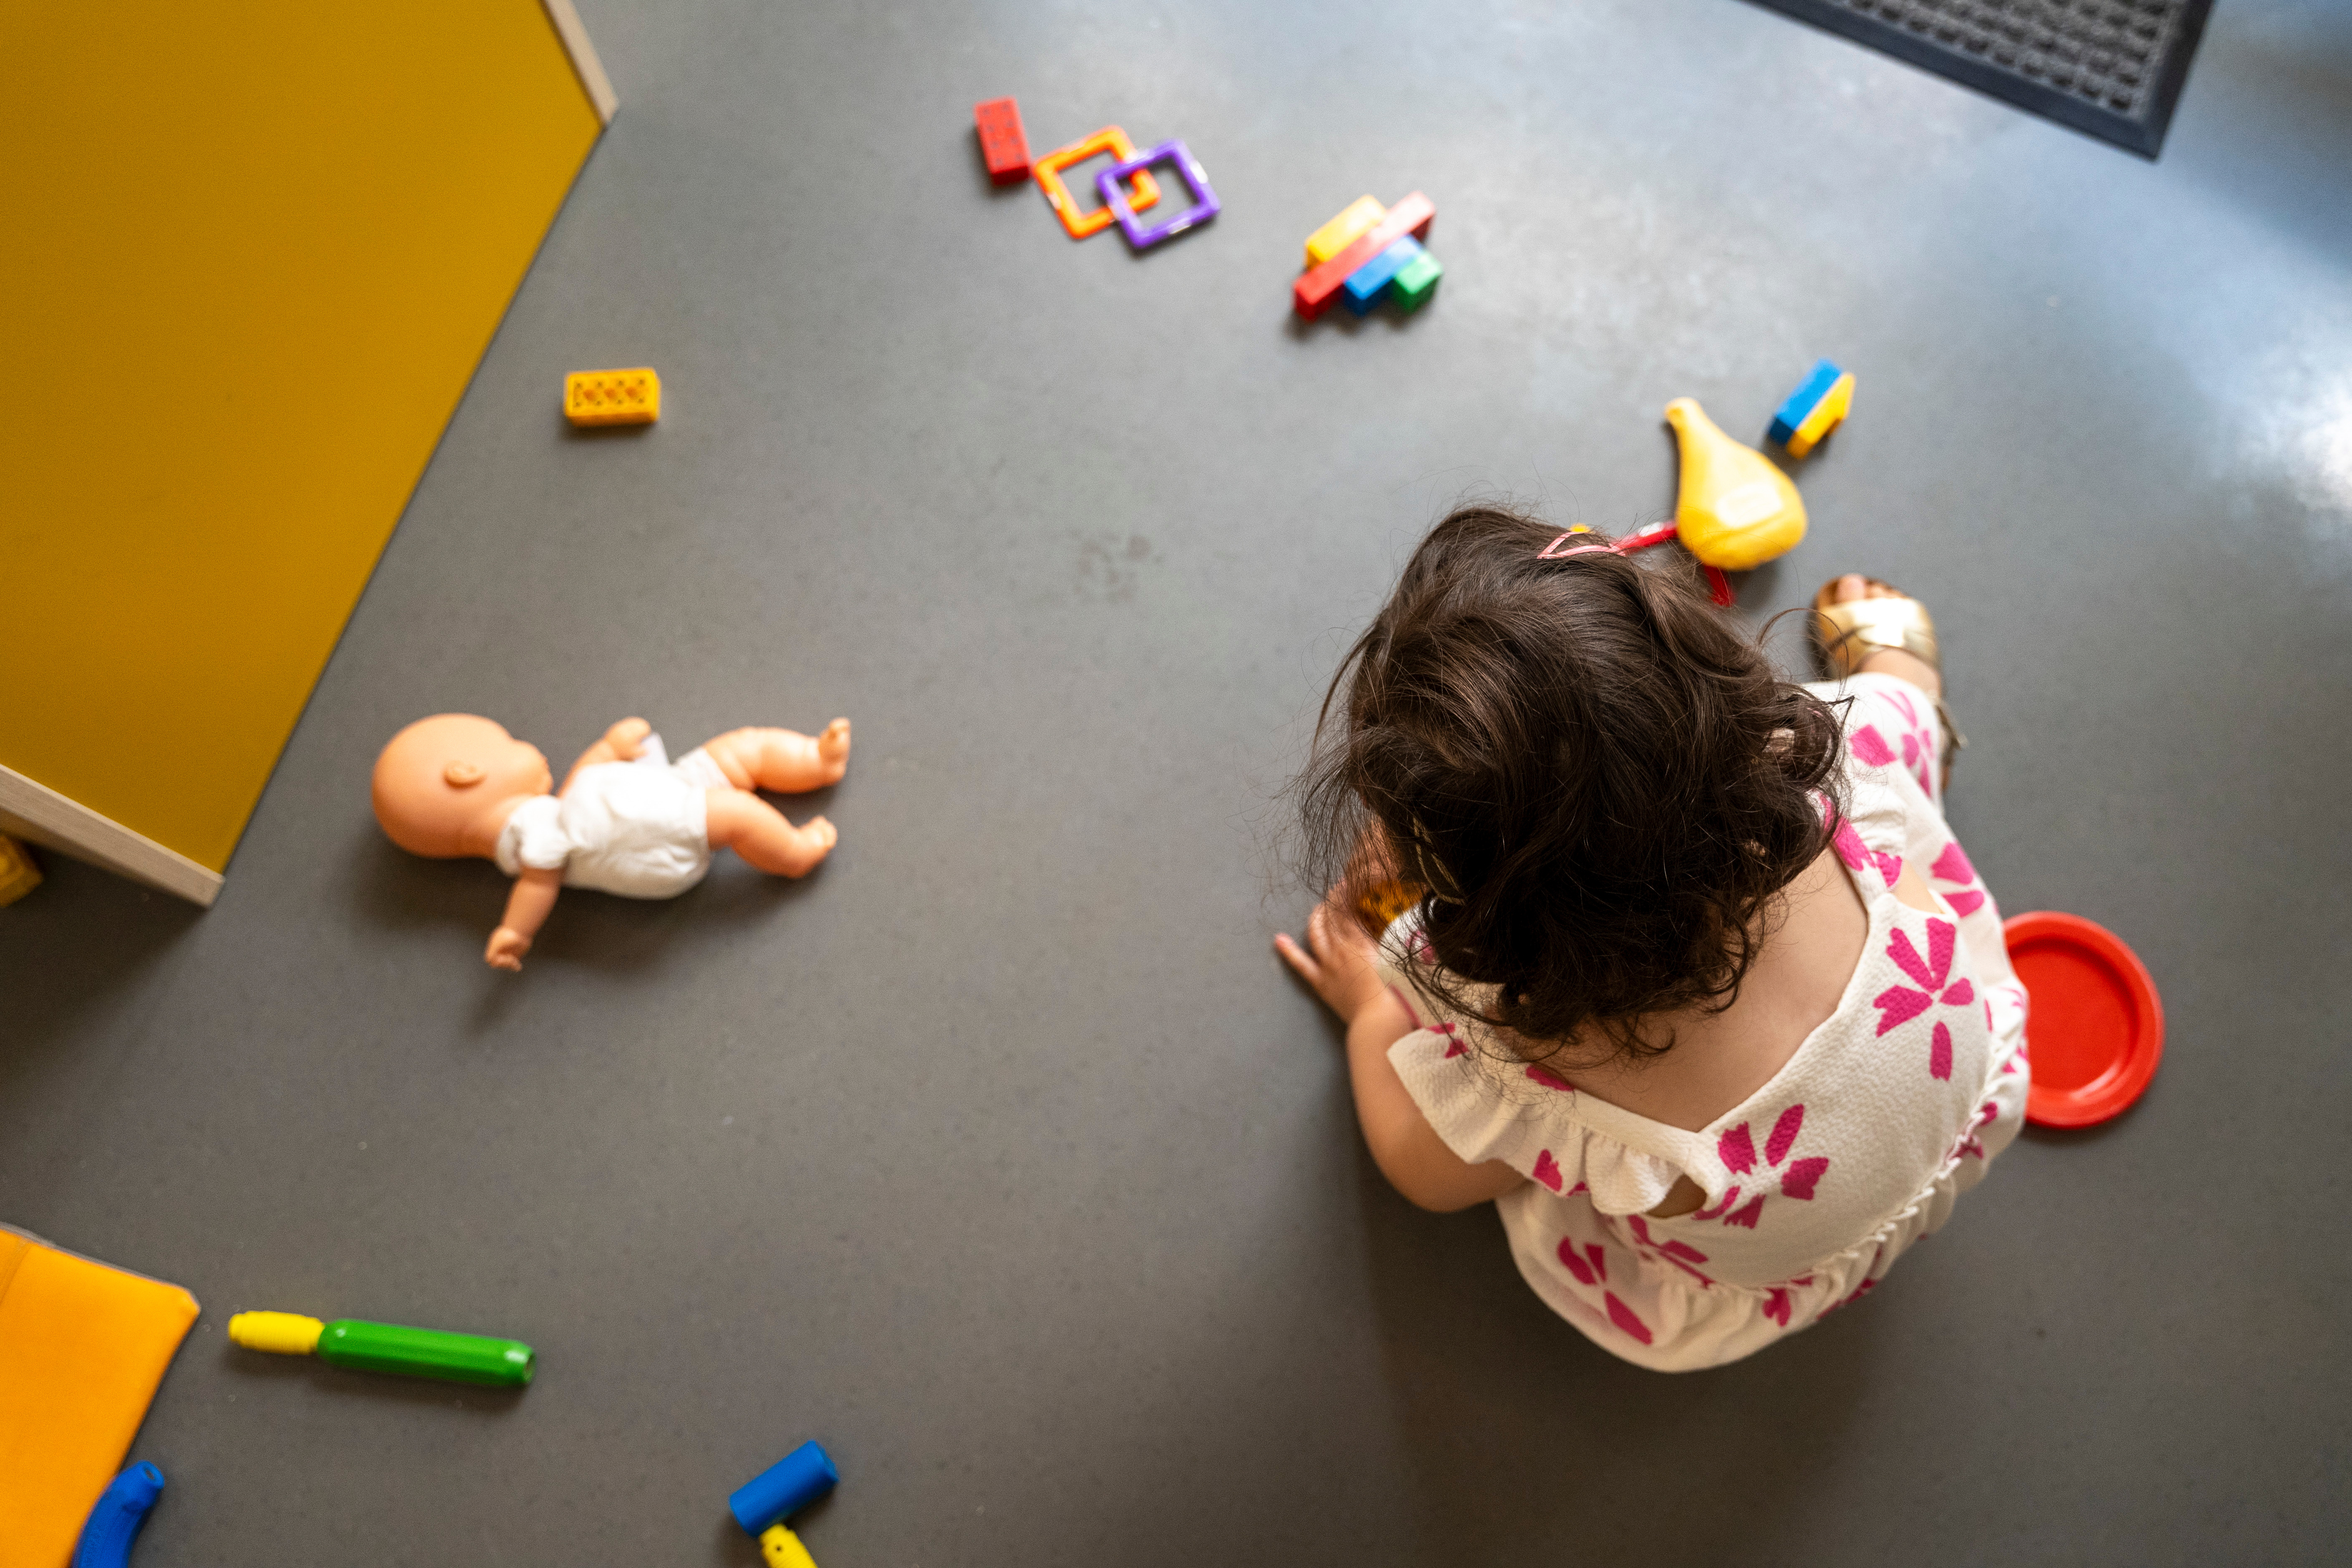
[[2113, 67]]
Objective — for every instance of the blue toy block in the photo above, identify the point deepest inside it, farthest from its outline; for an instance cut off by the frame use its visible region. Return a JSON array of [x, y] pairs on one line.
[[1364, 285], [114, 1522], [1811, 390], [783, 1490]]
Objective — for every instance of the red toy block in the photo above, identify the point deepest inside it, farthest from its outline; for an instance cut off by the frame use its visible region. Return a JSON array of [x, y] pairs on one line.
[[1318, 287], [1001, 140]]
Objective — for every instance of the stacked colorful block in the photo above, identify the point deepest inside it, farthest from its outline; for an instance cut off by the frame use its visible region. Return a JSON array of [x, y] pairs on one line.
[[1368, 252], [1820, 401]]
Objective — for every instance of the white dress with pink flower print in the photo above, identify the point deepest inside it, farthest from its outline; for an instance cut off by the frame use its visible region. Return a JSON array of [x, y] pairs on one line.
[[1856, 1148]]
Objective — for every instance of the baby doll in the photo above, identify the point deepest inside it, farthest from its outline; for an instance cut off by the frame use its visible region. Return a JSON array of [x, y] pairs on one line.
[[627, 820]]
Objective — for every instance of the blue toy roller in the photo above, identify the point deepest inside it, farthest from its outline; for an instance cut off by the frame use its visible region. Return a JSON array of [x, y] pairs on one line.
[[114, 1524], [763, 1503]]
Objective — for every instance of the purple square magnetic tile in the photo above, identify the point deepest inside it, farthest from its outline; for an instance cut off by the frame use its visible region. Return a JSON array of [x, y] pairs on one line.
[[1114, 193]]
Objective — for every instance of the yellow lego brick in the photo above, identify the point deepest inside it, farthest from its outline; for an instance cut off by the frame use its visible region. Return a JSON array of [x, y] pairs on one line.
[[1344, 230], [19, 875], [612, 397], [1832, 408]]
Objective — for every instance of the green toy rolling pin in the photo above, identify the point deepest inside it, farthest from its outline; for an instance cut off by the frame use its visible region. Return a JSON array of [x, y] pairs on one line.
[[387, 1347]]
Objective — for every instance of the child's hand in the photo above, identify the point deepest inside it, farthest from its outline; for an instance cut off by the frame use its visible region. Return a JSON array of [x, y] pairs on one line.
[[1340, 964], [625, 736], [505, 949]]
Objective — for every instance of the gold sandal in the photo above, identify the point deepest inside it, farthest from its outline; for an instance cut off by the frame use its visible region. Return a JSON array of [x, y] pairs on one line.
[[1848, 633]]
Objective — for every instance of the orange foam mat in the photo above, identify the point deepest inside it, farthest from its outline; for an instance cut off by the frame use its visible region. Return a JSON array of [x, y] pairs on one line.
[[82, 1346]]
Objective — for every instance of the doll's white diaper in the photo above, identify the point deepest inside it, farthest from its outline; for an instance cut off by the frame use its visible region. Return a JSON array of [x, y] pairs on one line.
[[639, 829]]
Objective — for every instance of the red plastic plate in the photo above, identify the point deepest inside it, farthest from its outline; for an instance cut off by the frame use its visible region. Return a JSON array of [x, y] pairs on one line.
[[2094, 1024]]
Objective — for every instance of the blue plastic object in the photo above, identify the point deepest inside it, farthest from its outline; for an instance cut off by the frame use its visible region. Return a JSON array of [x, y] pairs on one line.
[[1810, 391], [783, 1490], [1364, 285], [114, 1524]]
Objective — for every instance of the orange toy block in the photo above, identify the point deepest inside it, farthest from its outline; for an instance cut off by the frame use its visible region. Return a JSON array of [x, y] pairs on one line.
[[612, 397], [1142, 192], [82, 1347], [19, 875]]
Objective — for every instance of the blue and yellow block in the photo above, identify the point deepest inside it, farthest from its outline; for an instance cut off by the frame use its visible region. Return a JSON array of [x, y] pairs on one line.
[[1819, 405], [1404, 271]]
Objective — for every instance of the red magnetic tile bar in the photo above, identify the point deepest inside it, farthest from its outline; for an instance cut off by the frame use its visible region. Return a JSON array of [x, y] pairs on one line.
[[1001, 140], [1317, 288]]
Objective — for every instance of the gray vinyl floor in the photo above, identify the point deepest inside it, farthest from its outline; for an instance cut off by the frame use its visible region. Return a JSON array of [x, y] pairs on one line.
[[999, 1155]]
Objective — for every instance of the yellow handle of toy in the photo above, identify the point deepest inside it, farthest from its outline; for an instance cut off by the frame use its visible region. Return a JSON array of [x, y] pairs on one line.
[[281, 1334], [782, 1549]]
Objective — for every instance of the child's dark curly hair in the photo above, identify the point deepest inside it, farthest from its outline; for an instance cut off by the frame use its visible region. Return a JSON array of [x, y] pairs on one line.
[[1598, 783]]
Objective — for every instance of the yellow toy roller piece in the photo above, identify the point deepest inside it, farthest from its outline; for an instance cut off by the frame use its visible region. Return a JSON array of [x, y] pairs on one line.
[[281, 1334], [1735, 510], [782, 1549]]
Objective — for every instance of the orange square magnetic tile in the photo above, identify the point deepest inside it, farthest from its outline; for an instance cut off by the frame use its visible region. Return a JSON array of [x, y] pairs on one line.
[[1049, 169]]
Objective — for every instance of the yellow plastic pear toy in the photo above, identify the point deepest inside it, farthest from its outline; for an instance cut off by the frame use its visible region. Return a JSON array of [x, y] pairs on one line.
[[1735, 510]]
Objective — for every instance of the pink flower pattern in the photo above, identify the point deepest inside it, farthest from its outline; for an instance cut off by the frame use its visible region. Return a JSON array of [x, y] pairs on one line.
[[1919, 746], [1952, 865], [1850, 849], [1871, 746], [1869, 1283], [1736, 1150], [1777, 1300], [1969, 1143], [1898, 1005], [1591, 1271], [1681, 1254]]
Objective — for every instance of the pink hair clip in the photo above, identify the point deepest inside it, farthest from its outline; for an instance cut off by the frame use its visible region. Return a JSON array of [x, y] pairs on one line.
[[1718, 585]]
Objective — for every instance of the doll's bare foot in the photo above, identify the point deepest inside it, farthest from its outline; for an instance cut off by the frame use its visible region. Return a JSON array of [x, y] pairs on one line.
[[832, 747], [784, 761], [757, 831]]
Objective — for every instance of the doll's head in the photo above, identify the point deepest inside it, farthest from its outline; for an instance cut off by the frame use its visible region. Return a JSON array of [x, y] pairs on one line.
[[1593, 772], [443, 786]]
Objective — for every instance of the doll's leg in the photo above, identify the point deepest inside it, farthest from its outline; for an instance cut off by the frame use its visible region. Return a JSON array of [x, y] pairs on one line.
[[741, 821], [784, 761]]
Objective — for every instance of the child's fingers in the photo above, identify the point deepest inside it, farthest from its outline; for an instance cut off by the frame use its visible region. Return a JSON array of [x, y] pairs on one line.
[[1319, 932], [1297, 957], [1336, 933]]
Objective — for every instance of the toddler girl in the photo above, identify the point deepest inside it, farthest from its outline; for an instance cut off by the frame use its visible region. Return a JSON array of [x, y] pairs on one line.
[[1691, 980]]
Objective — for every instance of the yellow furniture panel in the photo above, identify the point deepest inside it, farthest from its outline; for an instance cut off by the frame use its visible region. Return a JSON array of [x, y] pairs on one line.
[[259, 249]]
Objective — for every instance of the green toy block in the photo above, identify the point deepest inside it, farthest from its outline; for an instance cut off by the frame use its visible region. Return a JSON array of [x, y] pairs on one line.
[[1415, 281]]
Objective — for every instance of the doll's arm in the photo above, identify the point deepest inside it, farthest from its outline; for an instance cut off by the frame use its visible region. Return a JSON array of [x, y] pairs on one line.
[[621, 744], [526, 907]]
